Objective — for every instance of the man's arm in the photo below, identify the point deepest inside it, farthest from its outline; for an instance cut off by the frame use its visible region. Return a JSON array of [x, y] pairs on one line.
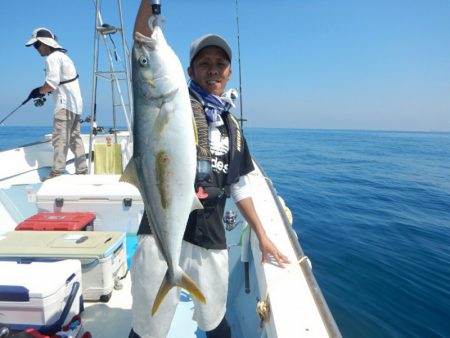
[[46, 88], [247, 209], [143, 16]]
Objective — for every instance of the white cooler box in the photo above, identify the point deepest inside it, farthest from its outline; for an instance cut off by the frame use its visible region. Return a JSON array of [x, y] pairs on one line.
[[117, 205], [39, 294], [102, 255]]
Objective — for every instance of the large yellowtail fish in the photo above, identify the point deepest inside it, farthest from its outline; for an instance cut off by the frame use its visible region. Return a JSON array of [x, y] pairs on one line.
[[164, 153]]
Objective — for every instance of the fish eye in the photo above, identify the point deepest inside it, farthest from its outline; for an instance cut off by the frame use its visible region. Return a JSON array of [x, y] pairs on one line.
[[143, 61]]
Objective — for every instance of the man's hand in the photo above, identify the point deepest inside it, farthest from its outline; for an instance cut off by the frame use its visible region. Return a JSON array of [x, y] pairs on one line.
[[268, 250], [35, 94]]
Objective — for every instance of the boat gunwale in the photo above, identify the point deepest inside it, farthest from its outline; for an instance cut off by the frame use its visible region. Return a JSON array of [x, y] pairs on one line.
[[303, 261]]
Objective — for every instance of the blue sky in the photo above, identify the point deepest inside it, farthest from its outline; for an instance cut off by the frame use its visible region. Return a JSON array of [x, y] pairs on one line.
[[348, 64]]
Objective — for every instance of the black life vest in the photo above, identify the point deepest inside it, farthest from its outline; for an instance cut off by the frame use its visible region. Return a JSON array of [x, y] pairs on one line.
[[240, 164]]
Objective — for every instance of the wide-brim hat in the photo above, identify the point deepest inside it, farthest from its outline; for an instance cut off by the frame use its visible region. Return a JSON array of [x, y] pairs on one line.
[[45, 36], [209, 40]]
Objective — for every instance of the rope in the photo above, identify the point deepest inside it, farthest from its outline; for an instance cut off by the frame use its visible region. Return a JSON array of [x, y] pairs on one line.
[[263, 311]]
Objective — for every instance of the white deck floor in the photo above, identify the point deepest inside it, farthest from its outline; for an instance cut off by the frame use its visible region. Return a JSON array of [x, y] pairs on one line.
[[113, 319]]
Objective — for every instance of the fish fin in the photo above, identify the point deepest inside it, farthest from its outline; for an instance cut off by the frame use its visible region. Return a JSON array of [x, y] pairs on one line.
[[162, 292], [196, 204], [130, 174], [186, 283]]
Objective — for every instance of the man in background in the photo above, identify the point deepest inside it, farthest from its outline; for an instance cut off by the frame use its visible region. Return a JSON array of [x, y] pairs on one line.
[[61, 79]]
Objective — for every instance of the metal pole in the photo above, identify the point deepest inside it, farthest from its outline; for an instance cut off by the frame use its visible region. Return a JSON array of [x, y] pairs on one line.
[[127, 71], [94, 84]]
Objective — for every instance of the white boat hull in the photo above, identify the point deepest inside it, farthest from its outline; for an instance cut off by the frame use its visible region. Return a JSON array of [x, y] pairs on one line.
[[297, 307]]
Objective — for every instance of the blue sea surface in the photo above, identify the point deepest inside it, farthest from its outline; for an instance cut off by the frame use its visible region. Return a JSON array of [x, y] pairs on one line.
[[372, 211]]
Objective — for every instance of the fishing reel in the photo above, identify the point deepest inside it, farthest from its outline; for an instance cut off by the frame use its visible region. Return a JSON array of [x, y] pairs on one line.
[[39, 102], [96, 130], [86, 120], [230, 220]]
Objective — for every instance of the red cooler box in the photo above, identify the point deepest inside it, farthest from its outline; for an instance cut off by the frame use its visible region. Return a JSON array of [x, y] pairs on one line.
[[59, 221]]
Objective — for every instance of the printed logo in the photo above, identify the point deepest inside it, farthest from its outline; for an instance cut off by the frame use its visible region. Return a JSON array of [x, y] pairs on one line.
[[219, 165], [219, 145]]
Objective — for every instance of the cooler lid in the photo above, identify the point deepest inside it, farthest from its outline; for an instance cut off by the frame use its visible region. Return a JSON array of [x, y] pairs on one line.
[[78, 217], [60, 244], [35, 279], [87, 187], [57, 221]]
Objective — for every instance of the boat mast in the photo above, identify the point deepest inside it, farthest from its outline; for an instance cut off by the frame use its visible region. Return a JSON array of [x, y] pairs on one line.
[[120, 79]]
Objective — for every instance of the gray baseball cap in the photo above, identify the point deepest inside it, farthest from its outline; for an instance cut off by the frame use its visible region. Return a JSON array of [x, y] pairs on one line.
[[209, 40]]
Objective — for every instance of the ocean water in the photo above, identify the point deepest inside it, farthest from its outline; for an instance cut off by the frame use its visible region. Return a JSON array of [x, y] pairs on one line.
[[372, 211]]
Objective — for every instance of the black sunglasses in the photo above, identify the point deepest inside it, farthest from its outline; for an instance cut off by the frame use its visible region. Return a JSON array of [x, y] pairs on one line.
[[37, 44]]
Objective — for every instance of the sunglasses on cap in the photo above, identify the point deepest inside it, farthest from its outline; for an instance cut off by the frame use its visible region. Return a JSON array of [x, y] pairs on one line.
[[37, 44]]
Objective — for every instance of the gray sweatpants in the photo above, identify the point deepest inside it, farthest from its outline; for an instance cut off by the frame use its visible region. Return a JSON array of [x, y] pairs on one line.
[[65, 136]]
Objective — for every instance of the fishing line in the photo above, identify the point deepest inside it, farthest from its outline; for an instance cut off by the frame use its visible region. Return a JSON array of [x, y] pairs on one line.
[[38, 102], [1, 122]]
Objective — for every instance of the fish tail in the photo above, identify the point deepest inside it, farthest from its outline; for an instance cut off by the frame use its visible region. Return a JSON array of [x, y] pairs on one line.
[[162, 292], [186, 283]]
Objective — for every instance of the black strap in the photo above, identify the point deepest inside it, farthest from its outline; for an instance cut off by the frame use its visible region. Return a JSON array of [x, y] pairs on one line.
[[70, 80]]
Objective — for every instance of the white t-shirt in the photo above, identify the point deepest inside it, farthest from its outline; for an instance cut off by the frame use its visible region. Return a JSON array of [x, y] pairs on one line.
[[58, 68]]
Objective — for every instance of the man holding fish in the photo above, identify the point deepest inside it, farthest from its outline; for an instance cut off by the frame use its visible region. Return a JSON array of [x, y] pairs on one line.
[[184, 186]]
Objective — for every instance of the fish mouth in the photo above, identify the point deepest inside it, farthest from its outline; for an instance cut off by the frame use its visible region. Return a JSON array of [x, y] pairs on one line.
[[145, 41], [139, 37]]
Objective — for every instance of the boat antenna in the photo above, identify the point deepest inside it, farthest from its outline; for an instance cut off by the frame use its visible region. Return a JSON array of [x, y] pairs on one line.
[[241, 119]]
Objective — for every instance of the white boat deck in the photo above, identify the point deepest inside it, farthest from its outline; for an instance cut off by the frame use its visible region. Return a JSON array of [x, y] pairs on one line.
[[297, 307], [113, 319]]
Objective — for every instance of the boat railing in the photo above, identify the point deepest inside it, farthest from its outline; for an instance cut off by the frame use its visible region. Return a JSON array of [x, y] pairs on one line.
[[303, 261]]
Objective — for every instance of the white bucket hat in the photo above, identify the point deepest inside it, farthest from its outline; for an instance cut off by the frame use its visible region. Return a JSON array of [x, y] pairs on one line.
[[45, 36]]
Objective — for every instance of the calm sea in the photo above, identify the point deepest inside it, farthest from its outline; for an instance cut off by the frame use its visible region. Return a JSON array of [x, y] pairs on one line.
[[372, 211]]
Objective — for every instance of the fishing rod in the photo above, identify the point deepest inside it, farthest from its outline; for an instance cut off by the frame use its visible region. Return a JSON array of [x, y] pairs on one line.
[[246, 238], [241, 120], [39, 102]]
